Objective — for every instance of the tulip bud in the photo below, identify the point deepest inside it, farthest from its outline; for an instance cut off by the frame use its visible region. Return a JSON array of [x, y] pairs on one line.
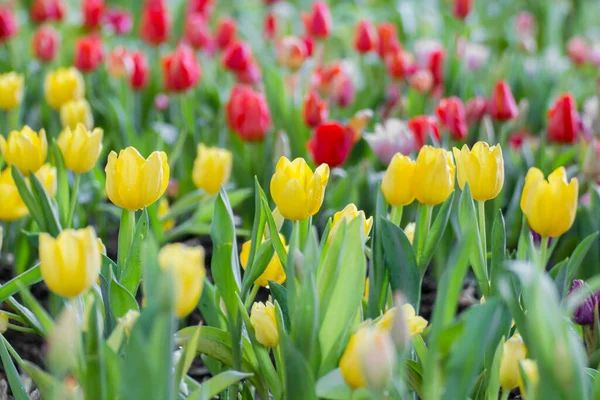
[[291, 53], [226, 32], [133, 182], [25, 149], [11, 90], [584, 314], [475, 109], [331, 144], [274, 271], [248, 113], [202, 7], [92, 12], [212, 168], [296, 190], [264, 323], [387, 39], [237, 57], [12, 206], [251, 75], [391, 137], [343, 90], [315, 110], [451, 113], [76, 112], [347, 215], [530, 369], [47, 10], [378, 359], [398, 181], [139, 73], [310, 45], [365, 37], [422, 128], [513, 353], [563, 120], [118, 62], [577, 49], [181, 70], [8, 23], [434, 176], [549, 205], [80, 147], [482, 168], [400, 64], [435, 64], [197, 32], [88, 53], [317, 23], [186, 265], [461, 8], [270, 26], [422, 81], [45, 43], [502, 105], [154, 25], [62, 86], [120, 22], [351, 365]]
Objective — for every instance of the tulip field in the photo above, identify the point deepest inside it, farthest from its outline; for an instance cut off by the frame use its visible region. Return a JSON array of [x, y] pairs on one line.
[[298, 199]]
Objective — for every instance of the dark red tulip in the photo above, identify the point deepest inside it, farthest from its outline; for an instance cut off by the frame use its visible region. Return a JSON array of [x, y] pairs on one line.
[[475, 109], [251, 75], [248, 113], [435, 64], [331, 144], [387, 39], [270, 27], [365, 37], [181, 69], [563, 120], [502, 105], [92, 11], [317, 23], [310, 45], [8, 23], [47, 10], [45, 43], [423, 127], [400, 64], [462, 8], [197, 32], [154, 25], [139, 72], [88, 53], [226, 32], [119, 21], [516, 139], [578, 49], [451, 113], [237, 57], [584, 314], [203, 7], [315, 111]]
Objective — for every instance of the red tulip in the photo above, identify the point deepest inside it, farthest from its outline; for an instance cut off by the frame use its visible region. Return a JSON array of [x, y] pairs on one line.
[[451, 113], [237, 57], [502, 105], [365, 37], [435, 64], [422, 128], [47, 10], [475, 109], [226, 32], [315, 110], [8, 23], [45, 43], [270, 28], [154, 25], [324, 76], [563, 120], [421, 81], [462, 8], [88, 53], [181, 70], [310, 45], [331, 144], [517, 139], [92, 12], [392, 98], [343, 90], [387, 39], [268, 2], [577, 49], [248, 113], [118, 62], [317, 24], [291, 52], [119, 21], [399, 64], [197, 33], [203, 7], [250, 75], [139, 72]]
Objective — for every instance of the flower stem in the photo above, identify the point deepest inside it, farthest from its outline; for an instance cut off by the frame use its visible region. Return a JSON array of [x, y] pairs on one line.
[[544, 252], [482, 231], [251, 296], [126, 231], [396, 216], [73, 201], [423, 226]]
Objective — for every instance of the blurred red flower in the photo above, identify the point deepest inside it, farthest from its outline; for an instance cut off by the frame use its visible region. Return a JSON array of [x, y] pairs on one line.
[[203, 7], [119, 21], [88, 53], [250, 75], [422, 128], [118, 62], [139, 72], [331, 144], [343, 90], [226, 32], [310, 45], [237, 56], [387, 39], [291, 52], [462, 8], [154, 25], [248, 113], [181, 69], [400, 64], [45, 43], [451, 113], [435, 64], [8, 23], [47, 10], [270, 28], [365, 37], [315, 110], [563, 120], [421, 81], [317, 23], [577, 49], [92, 11], [475, 109], [197, 32], [502, 105]]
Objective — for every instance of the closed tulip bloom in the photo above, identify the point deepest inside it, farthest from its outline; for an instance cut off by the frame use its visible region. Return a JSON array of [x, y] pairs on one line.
[[25, 149], [331, 144], [433, 179], [118, 21], [451, 112], [578, 50], [248, 113], [415, 324], [378, 359], [181, 69], [391, 137], [274, 271], [514, 352], [365, 37], [11, 90], [133, 182], [76, 112], [139, 72], [197, 31], [482, 167], [502, 105], [532, 373], [202, 7], [88, 53], [62, 86], [475, 109], [291, 52], [118, 62], [423, 127], [12, 206], [563, 120], [461, 8], [212, 168], [421, 81], [45, 43], [387, 39], [251, 75], [92, 11], [296, 190], [264, 323], [397, 184], [186, 264], [163, 209], [237, 56], [317, 23], [270, 26], [226, 32], [343, 90], [80, 147], [155, 25], [47, 177], [47, 10], [350, 365], [315, 111], [549, 205], [435, 64], [348, 214], [8, 23], [399, 63], [70, 264]]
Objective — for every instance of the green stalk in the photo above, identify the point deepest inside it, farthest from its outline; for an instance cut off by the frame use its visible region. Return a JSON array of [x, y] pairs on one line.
[[251, 296], [423, 226], [544, 252], [304, 227], [126, 231], [482, 231], [73, 201], [396, 215]]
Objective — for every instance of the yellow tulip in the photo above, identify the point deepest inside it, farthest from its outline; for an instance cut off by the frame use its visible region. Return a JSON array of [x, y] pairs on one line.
[[530, 369], [11, 206], [348, 214], [187, 267], [378, 359], [296, 190], [415, 324], [274, 271], [433, 179], [25, 149], [397, 181], [409, 231], [163, 209], [482, 168], [76, 112], [514, 351], [70, 263], [549, 205], [62, 86], [11, 90], [351, 362], [132, 182], [47, 177], [80, 147], [212, 168], [264, 323]]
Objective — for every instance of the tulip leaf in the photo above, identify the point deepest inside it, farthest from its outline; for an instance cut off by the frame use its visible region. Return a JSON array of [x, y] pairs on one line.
[[299, 381], [275, 239], [435, 233], [401, 262], [577, 258], [45, 321], [209, 306], [27, 278], [377, 277], [94, 383], [217, 384], [131, 272], [14, 380], [28, 198], [514, 215], [49, 213], [121, 300], [261, 261], [27, 315], [498, 248], [329, 269], [187, 356], [204, 213], [62, 191], [279, 293], [493, 386], [258, 227]]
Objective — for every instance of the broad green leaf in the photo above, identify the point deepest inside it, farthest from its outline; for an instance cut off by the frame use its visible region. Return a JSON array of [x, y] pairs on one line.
[[377, 272], [28, 198], [299, 381], [131, 273], [43, 380], [258, 227], [493, 386], [209, 306], [577, 258], [95, 372], [49, 213], [435, 233], [279, 293], [14, 380], [188, 354], [36, 308], [215, 385], [62, 187], [26, 279], [121, 300]]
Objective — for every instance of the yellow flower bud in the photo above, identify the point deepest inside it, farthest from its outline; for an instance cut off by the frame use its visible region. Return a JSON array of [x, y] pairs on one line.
[[274, 271], [409, 231], [70, 263], [264, 323], [76, 112], [416, 324], [11, 90], [482, 168], [80, 147], [212, 168], [549, 205], [132, 182], [163, 209], [187, 267], [11, 206], [433, 179], [25, 149], [62, 86], [296, 190], [378, 359], [530, 369], [47, 177], [514, 351], [348, 214], [397, 184]]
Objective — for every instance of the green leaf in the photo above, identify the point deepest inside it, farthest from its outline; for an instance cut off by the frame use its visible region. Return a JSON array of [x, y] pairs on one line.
[[279, 293], [62, 187], [435, 233], [215, 385], [498, 248], [377, 273], [121, 300], [333, 386], [36, 308], [258, 228], [275, 239], [577, 258], [261, 261], [95, 371], [49, 213], [209, 306], [131, 272], [14, 380], [26, 279], [187, 356], [43, 380], [28, 198], [493, 387], [299, 381]]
